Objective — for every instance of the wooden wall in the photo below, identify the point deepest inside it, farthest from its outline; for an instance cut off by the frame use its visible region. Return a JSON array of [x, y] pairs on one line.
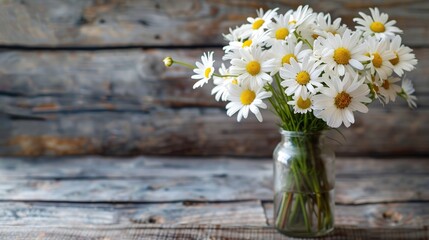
[[86, 77]]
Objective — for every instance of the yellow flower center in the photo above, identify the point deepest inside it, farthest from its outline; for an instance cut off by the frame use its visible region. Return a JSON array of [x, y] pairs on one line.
[[247, 97], [292, 22], [333, 31], [286, 58], [342, 100], [282, 33], [303, 77], [257, 24], [253, 68], [303, 104], [314, 36], [375, 87], [247, 43], [395, 60], [377, 60], [377, 27], [234, 81], [342, 55], [207, 72], [386, 84]]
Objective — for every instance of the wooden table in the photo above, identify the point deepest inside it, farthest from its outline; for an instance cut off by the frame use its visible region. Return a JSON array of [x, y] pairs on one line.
[[198, 198]]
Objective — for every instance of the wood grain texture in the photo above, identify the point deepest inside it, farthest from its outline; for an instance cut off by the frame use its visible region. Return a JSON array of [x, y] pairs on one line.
[[216, 232], [57, 214], [399, 215], [125, 102], [216, 184], [95, 167], [122, 80], [104, 198], [170, 23], [208, 132]]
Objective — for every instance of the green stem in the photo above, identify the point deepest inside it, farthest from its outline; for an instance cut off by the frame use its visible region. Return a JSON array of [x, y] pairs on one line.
[[299, 198], [299, 37], [184, 64]]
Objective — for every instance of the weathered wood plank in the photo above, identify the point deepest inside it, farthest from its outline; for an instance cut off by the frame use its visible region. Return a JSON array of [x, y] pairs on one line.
[[208, 132], [355, 190], [119, 111], [221, 184], [200, 232], [93, 167], [400, 215], [57, 214], [134, 80], [211, 188], [179, 23], [404, 215]]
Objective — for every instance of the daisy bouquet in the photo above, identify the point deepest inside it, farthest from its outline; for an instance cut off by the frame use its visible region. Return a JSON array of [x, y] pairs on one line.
[[313, 72]]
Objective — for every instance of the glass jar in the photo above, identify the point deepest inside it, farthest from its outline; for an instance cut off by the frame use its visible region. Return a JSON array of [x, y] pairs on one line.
[[304, 180]]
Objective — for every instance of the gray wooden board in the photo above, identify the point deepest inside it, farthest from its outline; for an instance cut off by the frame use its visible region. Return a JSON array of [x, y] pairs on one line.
[[73, 103], [218, 184], [187, 232], [157, 23], [208, 132], [105, 198], [60, 214], [226, 213], [355, 190], [97, 167], [377, 215], [135, 80]]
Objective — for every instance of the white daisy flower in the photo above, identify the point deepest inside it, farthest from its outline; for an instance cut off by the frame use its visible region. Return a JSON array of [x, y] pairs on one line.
[[303, 19], [325, 26], [284, 51], [223, 84], [340, 99], [302, 103], [307, 32], [259, 23], [377, 24], [300, 77], [234, 34], [231, 50], [301, 16], [253, 67], [404, 58], [380, 57], [408, 93], [342, 54], [280, 29], [374, 83], [204, 70], [389, 89], [244, 98]]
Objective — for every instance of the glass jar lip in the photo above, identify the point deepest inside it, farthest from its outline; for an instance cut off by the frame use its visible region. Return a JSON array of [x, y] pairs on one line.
[[299, 133]]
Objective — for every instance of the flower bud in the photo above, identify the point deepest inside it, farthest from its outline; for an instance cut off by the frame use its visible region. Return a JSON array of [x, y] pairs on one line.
[[168, 61]]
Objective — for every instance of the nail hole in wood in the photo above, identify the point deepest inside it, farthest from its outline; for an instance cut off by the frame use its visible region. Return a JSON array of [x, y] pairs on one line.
[[143, 22]]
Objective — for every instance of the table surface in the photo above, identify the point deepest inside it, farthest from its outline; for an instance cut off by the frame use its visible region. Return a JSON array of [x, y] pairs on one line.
[[199, 198]]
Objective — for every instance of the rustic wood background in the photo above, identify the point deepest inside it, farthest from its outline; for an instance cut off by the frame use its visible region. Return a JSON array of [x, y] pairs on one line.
[[86, 77]]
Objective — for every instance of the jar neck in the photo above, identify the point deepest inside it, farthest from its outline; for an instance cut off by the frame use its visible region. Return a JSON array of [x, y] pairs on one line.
[[286, 135]]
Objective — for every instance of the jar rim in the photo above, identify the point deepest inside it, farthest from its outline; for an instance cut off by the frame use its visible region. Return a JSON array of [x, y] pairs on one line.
[[300, 133]]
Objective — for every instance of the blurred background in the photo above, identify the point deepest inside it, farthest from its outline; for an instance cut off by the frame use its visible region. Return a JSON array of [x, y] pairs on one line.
[[86, 77]]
